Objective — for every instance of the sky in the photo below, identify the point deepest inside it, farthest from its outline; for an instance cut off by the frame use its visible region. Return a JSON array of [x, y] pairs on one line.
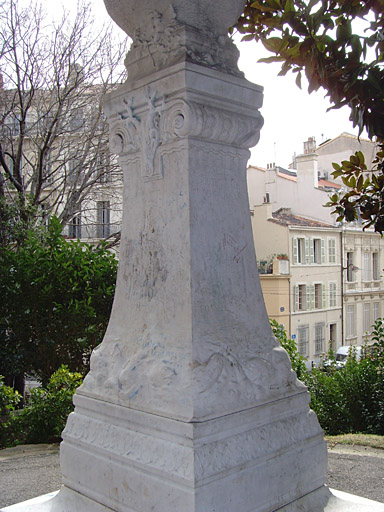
[[290, 115]]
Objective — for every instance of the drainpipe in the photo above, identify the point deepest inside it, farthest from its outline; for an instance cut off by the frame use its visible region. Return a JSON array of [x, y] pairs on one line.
[[342, 283]]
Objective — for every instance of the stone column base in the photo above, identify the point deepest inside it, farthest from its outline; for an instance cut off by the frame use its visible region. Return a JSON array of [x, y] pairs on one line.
[[321, 500], [261, 459]]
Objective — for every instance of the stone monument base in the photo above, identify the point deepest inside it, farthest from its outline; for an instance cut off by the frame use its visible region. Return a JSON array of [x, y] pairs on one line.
[[262, 459], [335, 501]]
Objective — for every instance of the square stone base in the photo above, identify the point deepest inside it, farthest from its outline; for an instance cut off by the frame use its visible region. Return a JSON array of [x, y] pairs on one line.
[[323, 500]]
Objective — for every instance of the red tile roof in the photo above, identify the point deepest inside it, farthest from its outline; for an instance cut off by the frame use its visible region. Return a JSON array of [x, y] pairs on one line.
[[285, 217]]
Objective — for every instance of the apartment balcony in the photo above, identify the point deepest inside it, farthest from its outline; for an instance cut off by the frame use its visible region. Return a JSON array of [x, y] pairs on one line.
[[91, 232]]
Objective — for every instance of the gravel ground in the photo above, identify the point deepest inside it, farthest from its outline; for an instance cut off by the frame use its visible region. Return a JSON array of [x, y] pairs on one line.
[[29, 471], [357, 470]]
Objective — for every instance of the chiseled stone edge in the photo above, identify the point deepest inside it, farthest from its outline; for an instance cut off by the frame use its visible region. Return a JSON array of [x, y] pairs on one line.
[[189, 455]]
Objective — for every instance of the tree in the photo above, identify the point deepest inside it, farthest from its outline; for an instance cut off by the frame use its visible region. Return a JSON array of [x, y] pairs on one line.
[[56, 301], [53, 135], [322, 39]]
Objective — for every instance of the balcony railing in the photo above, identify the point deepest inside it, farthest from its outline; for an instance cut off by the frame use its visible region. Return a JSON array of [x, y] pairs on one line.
[[93, 231]]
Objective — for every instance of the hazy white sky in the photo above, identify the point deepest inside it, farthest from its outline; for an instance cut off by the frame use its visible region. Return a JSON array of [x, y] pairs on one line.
[[290, 115]]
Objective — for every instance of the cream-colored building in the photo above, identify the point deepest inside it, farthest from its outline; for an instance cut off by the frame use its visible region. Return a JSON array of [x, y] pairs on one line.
[[343, 263], [275, 281], [313, 251], [65, 164], [363, 287]]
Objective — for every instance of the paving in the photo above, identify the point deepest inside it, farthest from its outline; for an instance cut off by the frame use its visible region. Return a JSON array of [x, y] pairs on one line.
[[33, 470]]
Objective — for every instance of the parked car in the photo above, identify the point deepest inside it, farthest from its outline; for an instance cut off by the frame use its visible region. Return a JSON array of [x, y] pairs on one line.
[[341, 356]]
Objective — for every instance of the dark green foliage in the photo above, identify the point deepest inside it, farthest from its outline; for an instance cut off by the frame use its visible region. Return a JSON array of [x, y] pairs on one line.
[[56, 301], [9, 400], [318, 39], [348, 399], [45, 414], [297, 360]]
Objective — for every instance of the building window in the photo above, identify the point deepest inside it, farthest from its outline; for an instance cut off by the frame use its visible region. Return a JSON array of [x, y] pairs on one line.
[[103, 167], [319, 338], [318, 296], [366, 317], [375, 267], [367, 266], [303, 339], [318, 250], [47, 168], [332, 295], [74, 227], [302, 297], [331, 250], [376, 311], [333, 335], [76, 119], [350, 277], [74, 169], [351, 331], [300, 249], [103, 219]]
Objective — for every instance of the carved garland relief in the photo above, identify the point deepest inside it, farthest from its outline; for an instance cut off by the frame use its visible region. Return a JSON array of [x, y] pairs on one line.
[[146, 128]]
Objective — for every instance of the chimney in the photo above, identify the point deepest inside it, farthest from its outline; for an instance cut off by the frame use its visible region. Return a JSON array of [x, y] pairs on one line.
[[310, 146]]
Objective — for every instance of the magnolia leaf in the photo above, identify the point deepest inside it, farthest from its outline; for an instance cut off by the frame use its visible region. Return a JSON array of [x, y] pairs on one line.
[[298, 80]]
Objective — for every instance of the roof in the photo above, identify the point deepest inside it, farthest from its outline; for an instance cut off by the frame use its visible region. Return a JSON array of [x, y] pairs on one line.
[[345, 135], [287, 176], [322, 183], [285, 217]]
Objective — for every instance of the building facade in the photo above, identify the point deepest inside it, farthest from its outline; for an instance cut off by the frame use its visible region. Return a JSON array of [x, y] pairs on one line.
[[336, 277], [312, 249]]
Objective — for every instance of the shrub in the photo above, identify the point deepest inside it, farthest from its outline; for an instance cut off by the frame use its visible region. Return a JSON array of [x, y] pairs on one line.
[[297, 360], [349, 399], [44, 416], [9, 400], [56, 301]]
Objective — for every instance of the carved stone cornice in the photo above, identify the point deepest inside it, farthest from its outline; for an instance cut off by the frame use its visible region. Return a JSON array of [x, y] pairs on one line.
[[144, 127], [168, 32]]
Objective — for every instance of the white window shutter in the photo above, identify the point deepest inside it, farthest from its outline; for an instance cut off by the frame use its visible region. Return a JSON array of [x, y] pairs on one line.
[[322, 251], [308, 294], [295, 250], [296, 297], [307, 257], [311, 251], [324, 299]]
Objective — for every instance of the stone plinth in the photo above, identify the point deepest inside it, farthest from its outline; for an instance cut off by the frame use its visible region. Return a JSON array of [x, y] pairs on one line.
[[191, 405]]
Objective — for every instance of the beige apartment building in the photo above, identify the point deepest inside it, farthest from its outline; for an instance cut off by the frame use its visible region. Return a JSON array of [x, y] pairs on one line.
[[363, 289], [312, 249], [336, 277]]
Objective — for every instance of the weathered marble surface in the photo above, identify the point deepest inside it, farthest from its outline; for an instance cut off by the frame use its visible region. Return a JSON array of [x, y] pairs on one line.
[[190, 405]]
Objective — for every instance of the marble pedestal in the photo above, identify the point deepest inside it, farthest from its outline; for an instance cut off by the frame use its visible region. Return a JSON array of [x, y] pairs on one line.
[[191, 405]]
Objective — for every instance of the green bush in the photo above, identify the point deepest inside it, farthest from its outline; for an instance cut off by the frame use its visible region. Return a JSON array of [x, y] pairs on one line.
[[349, 399], [297, 360], [56, 301], [44, 416], [9, 400]]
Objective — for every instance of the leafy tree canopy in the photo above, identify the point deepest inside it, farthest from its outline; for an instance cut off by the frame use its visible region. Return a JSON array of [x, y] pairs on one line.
[[56, 300], [338, 45]]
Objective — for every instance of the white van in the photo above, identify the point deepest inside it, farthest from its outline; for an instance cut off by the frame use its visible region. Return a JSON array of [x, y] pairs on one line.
[[341, 356], [343, 353]]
